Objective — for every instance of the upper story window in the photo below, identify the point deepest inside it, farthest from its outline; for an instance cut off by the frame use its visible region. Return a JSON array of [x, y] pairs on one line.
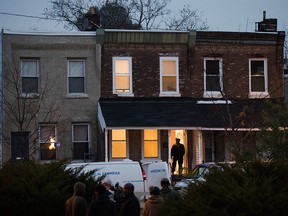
[[47, 142], [30, 76], [76, 76], [119, 144], [258, 76], [150, 143], [169, 76], [213, 83], [81, 139], [122, 76]]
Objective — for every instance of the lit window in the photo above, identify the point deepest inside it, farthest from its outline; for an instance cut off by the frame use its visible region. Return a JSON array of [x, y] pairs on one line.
[[76, 76], [119, 144], [47, 142], [169, 76], [151, 144], [30, 75], [258, 78], [213, 84], [80, 140], [122, 76]]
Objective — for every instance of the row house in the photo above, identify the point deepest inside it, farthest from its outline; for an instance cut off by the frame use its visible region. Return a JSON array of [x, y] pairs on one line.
[[50, 88], [206, 88], [119, 94]]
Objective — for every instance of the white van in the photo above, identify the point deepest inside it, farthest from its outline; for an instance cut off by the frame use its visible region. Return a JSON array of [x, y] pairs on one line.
[[155, 171], [117, 171]]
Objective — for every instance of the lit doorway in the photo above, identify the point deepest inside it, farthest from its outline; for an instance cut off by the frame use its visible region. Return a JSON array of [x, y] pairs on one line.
[[181, 134]]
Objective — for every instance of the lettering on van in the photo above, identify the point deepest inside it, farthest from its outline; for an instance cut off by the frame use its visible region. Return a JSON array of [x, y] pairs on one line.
[[106, 173], [158, 170]]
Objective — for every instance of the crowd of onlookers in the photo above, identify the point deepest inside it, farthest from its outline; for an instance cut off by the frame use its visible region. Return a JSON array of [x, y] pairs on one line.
[[118, 201]]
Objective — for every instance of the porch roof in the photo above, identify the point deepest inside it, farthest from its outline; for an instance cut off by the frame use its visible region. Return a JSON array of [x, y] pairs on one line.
[[165, 113]]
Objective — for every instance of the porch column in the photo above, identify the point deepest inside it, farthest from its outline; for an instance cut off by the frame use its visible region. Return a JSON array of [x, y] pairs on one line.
[[106, 145], [169, 152], [200, 147]]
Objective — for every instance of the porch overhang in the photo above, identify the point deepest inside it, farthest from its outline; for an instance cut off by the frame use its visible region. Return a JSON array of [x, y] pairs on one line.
[[178, 113]]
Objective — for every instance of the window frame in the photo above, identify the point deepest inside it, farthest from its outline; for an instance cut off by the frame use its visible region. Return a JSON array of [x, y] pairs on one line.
[[208, 93], [76, 94], [259, 94], [129, 59], [47, 143], [30, 94], [158, 146], [74, 141], [169, 93], [126, 145]]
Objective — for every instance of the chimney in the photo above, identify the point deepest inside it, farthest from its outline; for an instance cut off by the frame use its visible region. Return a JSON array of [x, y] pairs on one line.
[[264, 15], [267, 25]]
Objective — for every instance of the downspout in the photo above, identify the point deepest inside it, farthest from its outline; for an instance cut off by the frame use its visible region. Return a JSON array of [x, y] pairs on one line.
[[106, 145], [169, 152], [1, 102]]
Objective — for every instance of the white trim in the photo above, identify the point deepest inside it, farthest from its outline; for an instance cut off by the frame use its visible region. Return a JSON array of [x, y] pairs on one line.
[[265, 93], [78, 33], [158, 143], [169, 93], [125, 94], [101, 118], [78, 94], [214, 94]]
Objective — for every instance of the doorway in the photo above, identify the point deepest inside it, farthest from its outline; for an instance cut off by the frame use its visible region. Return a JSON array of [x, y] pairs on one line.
[[181, 134]]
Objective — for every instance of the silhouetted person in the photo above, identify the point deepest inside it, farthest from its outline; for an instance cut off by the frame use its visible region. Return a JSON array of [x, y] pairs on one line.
[[166, 192], [76, 205], [131, 205], [154, 204], [177, 153], [102, 205]]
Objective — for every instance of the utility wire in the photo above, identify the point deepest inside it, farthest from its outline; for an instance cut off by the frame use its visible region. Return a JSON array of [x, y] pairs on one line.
[[29, 16]]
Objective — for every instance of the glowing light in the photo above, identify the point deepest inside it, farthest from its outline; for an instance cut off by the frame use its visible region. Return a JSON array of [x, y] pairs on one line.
[[52, 143]]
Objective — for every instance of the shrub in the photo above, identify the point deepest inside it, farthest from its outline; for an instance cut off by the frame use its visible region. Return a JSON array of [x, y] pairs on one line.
[[31, 188], [254, 188]]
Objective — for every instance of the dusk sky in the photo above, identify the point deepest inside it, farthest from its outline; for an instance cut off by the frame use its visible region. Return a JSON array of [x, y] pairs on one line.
[[221, 15]]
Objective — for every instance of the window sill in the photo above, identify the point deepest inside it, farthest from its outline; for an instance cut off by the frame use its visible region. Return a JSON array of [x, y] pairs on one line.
[[259, 95], [212, 94], [166, 94], [125, 95], [30, 95], [76, 95]]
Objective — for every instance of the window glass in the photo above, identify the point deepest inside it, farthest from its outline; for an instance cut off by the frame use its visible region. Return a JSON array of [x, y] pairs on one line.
[[47, 142], [151, 144], [119, 144], [257, 76], [213, 75], [169, 75], [80, 140], [122, 73], [76, 76], [29, 74]]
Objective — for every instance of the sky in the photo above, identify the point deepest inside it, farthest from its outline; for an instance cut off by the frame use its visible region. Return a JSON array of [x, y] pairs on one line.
[[221, 15]]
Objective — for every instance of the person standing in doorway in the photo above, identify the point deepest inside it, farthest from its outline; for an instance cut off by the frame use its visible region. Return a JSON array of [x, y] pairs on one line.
[[177, 153]]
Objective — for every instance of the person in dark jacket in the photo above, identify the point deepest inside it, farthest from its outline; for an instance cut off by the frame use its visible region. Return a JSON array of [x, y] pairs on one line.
[[102, 205], [177, 153], [77, 204], [131, 205], [166, 192], [154, 204]]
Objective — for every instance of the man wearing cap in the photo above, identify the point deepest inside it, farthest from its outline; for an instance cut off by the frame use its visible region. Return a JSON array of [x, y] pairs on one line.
[[177, 153]]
